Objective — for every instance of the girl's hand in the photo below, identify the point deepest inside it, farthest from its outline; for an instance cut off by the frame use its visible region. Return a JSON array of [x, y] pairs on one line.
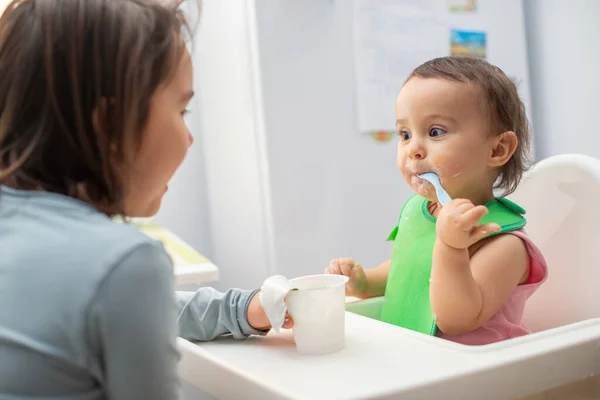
[[357, 283], [457, 224], [257, 318]]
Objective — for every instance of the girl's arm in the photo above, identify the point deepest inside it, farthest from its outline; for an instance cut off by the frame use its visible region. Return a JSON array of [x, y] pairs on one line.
[[206, 314], [132, 328], [133, 324]]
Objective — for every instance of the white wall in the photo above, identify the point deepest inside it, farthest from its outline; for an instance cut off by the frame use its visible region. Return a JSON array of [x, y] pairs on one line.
[[230, 123], [289, 182], [294, 60], [564, 57], [335, 192]]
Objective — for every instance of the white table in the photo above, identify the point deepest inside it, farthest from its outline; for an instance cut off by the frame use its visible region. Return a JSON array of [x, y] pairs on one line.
[[381, 361], [199, 274]]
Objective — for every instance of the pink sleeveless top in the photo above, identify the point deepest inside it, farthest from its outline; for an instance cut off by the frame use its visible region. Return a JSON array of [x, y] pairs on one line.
[[506, 323]]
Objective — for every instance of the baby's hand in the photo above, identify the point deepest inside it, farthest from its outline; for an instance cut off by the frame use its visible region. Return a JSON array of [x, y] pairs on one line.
[[457, 224], [357, 284]]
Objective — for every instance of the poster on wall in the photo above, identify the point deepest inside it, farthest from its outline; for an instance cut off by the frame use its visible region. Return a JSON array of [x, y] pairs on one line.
[[382, 136], [469, 43], [391, 38], [462, 6]]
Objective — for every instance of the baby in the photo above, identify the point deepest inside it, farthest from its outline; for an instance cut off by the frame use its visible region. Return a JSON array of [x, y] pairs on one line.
[[462, 271]]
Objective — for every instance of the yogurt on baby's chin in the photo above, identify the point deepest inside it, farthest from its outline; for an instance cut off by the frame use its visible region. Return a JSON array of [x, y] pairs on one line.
[[421, 186]]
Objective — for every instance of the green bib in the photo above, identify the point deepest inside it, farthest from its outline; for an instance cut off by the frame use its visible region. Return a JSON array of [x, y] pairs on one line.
[[407, 291]]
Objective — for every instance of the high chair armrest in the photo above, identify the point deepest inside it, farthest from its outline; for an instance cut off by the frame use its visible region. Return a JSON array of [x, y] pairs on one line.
[[370, 308]]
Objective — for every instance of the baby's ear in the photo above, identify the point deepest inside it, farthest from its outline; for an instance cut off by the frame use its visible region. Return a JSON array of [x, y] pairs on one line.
[[504, 146]]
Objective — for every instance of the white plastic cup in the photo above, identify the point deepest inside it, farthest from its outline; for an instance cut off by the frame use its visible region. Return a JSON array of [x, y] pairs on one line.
[[318, 311]]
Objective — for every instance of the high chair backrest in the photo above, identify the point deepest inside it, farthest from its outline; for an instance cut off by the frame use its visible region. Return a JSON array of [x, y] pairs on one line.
[[560, 195]]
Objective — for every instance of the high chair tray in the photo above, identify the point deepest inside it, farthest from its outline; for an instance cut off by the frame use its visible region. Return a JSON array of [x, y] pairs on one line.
[[381, 361]]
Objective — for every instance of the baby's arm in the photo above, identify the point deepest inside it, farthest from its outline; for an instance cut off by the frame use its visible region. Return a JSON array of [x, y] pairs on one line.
[[377, 279], [465, 290]]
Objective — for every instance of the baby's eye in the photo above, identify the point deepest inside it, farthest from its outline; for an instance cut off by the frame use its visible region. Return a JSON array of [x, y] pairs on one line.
[[435, 132], [404, 135]]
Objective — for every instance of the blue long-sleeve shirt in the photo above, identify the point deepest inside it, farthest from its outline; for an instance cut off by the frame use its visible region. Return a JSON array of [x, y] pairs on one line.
[[88, 308]]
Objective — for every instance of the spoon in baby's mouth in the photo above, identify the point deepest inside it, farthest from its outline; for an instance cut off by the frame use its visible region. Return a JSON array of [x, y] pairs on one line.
[[442, 195]]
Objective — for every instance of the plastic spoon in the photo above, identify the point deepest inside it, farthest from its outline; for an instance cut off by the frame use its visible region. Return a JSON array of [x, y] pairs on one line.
[[432, 178]]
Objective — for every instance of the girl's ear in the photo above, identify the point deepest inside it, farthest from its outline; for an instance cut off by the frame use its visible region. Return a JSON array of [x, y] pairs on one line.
[[99, 116]]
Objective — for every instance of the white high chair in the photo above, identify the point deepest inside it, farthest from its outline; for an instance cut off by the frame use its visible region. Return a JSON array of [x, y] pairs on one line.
[[554, 362], [559, 194]]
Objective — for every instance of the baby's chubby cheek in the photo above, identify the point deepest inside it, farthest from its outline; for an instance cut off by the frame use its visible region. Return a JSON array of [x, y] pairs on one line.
[[407, 168], [448, 169], [403, 165]]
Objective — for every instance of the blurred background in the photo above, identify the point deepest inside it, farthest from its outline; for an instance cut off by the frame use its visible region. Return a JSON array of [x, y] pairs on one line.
[[294, 159], [293, 163]]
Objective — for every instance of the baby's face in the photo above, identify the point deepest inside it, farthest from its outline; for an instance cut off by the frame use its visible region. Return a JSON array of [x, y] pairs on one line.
[[444, 128]]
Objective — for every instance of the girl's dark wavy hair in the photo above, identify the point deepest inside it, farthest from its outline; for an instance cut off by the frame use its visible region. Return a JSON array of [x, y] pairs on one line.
[[76, 81]]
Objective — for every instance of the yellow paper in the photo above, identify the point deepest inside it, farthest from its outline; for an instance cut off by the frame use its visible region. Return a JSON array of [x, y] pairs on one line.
[[181, 253]]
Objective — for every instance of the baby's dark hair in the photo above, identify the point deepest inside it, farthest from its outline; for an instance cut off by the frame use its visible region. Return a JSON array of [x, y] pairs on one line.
[[76, 81], [502, 102]]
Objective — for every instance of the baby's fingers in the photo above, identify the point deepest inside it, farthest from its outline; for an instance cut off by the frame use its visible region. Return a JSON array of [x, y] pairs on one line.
[[333, 269], [483, 231], [470, 218], [347, 269], [341, 266]]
